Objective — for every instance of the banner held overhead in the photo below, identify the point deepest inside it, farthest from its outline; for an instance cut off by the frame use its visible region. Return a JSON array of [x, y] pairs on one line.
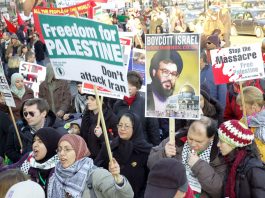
[[85, 50]]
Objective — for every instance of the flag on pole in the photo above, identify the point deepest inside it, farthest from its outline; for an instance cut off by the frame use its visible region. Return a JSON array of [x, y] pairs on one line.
[[10, 27]]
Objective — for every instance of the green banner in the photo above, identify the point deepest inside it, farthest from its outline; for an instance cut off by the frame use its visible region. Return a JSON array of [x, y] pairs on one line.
[[71, 37]]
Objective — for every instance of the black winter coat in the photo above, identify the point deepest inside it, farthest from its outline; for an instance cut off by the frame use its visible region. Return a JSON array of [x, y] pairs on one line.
[[250, 178], [89, 122], [150, 125]]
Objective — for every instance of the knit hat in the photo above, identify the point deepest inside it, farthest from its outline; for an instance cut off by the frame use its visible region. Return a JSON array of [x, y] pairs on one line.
[[14, 36], [235, 133], [214, 39], [205, 91], [170, 55], [25, 189], [78, 143], [166, 177], [50, 138]]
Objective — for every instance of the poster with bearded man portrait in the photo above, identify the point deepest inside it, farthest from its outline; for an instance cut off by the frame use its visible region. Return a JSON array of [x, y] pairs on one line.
[[172, 74]]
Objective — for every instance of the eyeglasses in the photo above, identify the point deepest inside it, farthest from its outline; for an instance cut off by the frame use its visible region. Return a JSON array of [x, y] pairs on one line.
[[126, 127], [65, 150], [26, 113], [166, 73]]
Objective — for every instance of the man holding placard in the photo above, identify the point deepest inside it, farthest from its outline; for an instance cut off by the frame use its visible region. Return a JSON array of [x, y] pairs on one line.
[[205, 167]]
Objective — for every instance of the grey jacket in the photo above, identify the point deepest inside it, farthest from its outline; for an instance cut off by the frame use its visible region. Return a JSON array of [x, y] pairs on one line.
[[210, 175], [102, 185], [258, 122]]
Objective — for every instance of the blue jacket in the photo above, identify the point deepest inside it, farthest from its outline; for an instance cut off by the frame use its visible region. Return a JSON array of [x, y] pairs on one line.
[[216, 91]]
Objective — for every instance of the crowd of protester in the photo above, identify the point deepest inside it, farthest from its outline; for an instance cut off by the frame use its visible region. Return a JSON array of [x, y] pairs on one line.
[[63, 151]]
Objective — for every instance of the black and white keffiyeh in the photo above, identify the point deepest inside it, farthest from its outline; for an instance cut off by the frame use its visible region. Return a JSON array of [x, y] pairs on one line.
[[71, 180], [31, 162]]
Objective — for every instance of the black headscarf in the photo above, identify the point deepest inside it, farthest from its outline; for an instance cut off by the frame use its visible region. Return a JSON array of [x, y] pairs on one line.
[[50, 138], [137, 143]]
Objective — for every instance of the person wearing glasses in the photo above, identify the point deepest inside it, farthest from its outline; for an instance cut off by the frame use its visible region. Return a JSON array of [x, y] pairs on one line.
[[165, 69], [131, 151], [39, 163], [76, 175], [35, 114]]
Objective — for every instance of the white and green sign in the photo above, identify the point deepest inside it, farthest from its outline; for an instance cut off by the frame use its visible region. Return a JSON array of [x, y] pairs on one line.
[[85, 50]]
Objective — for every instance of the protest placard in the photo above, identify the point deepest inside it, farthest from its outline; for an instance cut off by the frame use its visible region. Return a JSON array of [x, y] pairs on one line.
[[84, 50], [138, 64], [33, 74], [5, 90], [238, 63], [88, 87], [172, 75]]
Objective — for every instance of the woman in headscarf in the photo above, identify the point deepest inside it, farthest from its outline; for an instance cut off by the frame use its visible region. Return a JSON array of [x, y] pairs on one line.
[[40, 162], [77, 176], [131, 151], [56, 92], [92, 133], [246, 173], [20, 93]]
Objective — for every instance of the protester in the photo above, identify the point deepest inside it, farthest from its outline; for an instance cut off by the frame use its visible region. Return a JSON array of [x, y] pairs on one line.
[[136, 103], [30, 57], [159, 29], [76, 175], [38, 49], [56, 92], [255, 112], [13, 66], [212, 23], [4, 44], [90, 131], [232, 109], [40, 162], [12, 48], [25, 189], [22, 51], [21, 34], [246, 172], [35, 114], [131, 151], [20, 93], [163, 182], [80, 99], [10, 177], [205, 167], [75, 127]]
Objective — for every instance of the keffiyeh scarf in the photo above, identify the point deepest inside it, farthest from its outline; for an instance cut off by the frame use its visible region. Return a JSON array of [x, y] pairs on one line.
[[31, 162], [71, 180]]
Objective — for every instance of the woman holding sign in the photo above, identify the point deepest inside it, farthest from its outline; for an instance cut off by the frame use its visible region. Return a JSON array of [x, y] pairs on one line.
[[91, 131], [131, 151], [20, 93], [255, 112]]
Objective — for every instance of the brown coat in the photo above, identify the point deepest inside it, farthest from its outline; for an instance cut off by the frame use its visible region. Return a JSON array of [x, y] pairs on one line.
[[61, 95], [16, 110], [9, 49], [209, 175]]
